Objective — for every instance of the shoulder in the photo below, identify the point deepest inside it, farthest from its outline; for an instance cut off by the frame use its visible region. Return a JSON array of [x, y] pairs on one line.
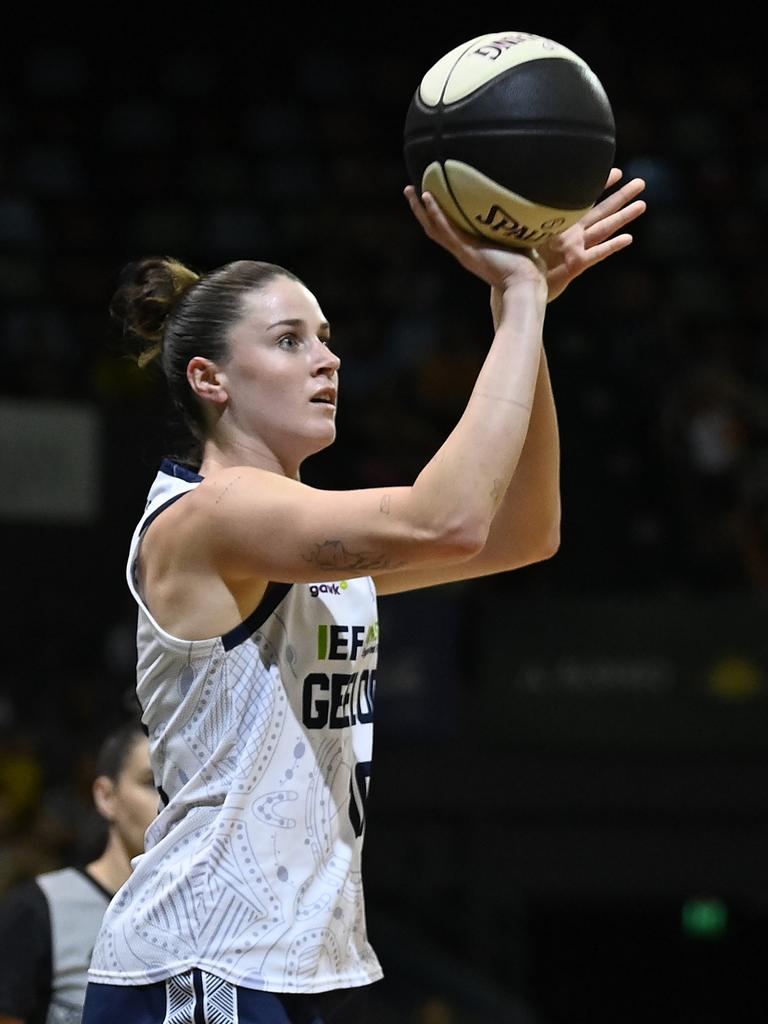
[[227, 510], [23, 898], [238, 495], [24, 912], [71, 886], [224, 489]]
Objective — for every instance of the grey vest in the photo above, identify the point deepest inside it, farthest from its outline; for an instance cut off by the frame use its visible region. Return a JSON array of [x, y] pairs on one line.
[[76, 907]]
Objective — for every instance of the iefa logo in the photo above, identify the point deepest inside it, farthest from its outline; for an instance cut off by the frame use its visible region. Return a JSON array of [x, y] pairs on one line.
[[342, 643], [337, 699], [316, 589]]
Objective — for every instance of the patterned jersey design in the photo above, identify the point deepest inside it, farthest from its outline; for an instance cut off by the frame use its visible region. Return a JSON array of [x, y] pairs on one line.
[[261, 746]]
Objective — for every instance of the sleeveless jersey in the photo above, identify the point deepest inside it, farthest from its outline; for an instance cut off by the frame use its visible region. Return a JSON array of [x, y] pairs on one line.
[[260, 743]]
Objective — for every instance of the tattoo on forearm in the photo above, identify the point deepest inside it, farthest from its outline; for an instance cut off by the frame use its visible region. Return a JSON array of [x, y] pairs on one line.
[[332, 554], [497, 492], [384, 506], [509, 401]]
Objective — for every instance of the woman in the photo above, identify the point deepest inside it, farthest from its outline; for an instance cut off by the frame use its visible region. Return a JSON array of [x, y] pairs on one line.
[[258, 632], [48, 925]]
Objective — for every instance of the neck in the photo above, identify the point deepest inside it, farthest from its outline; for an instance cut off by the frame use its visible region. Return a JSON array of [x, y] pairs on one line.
[[218, 455], [113, 867]]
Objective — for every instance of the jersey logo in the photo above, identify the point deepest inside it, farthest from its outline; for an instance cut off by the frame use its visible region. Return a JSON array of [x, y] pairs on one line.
[[316, 589], [345, 643]]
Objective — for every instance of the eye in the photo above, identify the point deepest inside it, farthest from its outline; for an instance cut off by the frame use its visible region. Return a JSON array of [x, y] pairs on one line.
[[288, 341]]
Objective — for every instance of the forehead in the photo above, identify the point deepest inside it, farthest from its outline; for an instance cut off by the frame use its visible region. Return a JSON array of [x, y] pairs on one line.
[[281, 299]]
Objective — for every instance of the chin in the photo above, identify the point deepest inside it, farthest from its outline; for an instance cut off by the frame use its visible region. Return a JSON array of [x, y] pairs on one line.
[[317, 443], [325, 442]]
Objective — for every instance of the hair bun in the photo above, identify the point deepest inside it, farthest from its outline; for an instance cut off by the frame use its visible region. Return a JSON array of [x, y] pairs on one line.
[[149, 291]]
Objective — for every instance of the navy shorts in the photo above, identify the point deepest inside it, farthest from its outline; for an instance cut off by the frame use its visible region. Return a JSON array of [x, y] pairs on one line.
[[197, 997]]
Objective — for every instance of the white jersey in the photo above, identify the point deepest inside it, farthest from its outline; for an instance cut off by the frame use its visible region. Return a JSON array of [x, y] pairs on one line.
[[260, 742]]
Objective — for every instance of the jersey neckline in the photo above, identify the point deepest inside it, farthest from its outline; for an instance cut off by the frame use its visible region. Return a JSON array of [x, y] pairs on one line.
[[171, 468]]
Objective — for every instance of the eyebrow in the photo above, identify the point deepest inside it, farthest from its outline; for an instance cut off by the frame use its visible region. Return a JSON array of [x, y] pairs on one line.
[[324, 326]]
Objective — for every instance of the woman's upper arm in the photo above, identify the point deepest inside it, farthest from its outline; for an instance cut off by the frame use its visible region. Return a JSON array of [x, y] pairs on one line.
[[247, 522]]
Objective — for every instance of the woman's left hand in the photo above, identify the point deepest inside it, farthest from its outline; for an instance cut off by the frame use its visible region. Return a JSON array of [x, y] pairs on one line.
[[594, 237]]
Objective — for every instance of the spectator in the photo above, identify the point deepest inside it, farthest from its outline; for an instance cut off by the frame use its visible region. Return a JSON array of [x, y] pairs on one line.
[[48, 924]]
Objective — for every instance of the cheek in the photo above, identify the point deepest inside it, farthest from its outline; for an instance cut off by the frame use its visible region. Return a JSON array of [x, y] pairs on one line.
[[140, 808], [259, 399]]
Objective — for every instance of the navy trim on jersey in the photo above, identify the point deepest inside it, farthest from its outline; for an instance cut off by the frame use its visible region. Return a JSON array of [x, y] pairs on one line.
[[171, 468], [199, 1011], [166, 504], [273, 595]]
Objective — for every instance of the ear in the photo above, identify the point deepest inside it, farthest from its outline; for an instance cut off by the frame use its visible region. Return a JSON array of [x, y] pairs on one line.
[[206, 380], [104, 797]]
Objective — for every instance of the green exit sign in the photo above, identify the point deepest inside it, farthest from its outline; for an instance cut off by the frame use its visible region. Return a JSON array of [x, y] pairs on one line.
[[705, 918]]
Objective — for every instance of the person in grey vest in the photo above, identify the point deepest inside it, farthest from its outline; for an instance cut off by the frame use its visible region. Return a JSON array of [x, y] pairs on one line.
[[48, 925]]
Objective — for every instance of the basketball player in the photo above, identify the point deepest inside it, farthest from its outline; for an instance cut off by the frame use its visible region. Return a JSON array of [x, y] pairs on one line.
[[258, 634], [48, 926]]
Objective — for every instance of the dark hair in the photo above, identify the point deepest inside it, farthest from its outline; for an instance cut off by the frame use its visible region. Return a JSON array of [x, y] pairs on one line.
[[116, 749], [185, 314]]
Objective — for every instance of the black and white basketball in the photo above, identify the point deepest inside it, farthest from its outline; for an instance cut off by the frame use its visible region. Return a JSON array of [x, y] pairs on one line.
[[514, 136]]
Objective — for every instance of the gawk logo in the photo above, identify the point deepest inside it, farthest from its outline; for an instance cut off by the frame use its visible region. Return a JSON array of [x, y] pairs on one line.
[[316, 589]]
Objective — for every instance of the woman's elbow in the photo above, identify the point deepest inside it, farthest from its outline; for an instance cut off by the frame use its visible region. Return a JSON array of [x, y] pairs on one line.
[[551, 545], [548, 543], [459, 541]]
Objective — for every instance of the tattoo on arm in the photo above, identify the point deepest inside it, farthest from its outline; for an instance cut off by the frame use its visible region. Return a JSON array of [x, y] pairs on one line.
[[385, 504], [332, 554], [230, 484], [497, 492], [509, 401]]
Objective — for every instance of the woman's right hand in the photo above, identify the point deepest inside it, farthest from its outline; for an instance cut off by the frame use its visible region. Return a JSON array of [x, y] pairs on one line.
[[498, 267]]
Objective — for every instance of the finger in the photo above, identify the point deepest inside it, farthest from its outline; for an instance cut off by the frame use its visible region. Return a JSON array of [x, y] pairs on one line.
[[450, 234], [614, 202], [417, 208], [410, 194], [435, 211], [613, 177], [436, 225], [607, 226], [601, 252]]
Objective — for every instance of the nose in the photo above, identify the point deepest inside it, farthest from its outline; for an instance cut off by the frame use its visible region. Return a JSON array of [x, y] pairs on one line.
[[326, 361]]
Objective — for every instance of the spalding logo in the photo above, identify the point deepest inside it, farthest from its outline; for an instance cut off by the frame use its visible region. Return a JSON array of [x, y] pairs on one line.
[[494, 48], [508, 226]]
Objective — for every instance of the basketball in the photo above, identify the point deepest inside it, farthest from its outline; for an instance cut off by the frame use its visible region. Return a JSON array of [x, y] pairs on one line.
[[514, 136]]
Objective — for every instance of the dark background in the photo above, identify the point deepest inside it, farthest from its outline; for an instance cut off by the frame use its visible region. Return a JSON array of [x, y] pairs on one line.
[[567, 818]]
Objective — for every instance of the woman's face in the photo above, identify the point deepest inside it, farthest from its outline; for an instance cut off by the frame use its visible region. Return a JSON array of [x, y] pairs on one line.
[[134, 798], [281, 377]]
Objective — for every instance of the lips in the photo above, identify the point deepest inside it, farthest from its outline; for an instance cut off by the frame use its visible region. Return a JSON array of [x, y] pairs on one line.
[[326, 396]]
